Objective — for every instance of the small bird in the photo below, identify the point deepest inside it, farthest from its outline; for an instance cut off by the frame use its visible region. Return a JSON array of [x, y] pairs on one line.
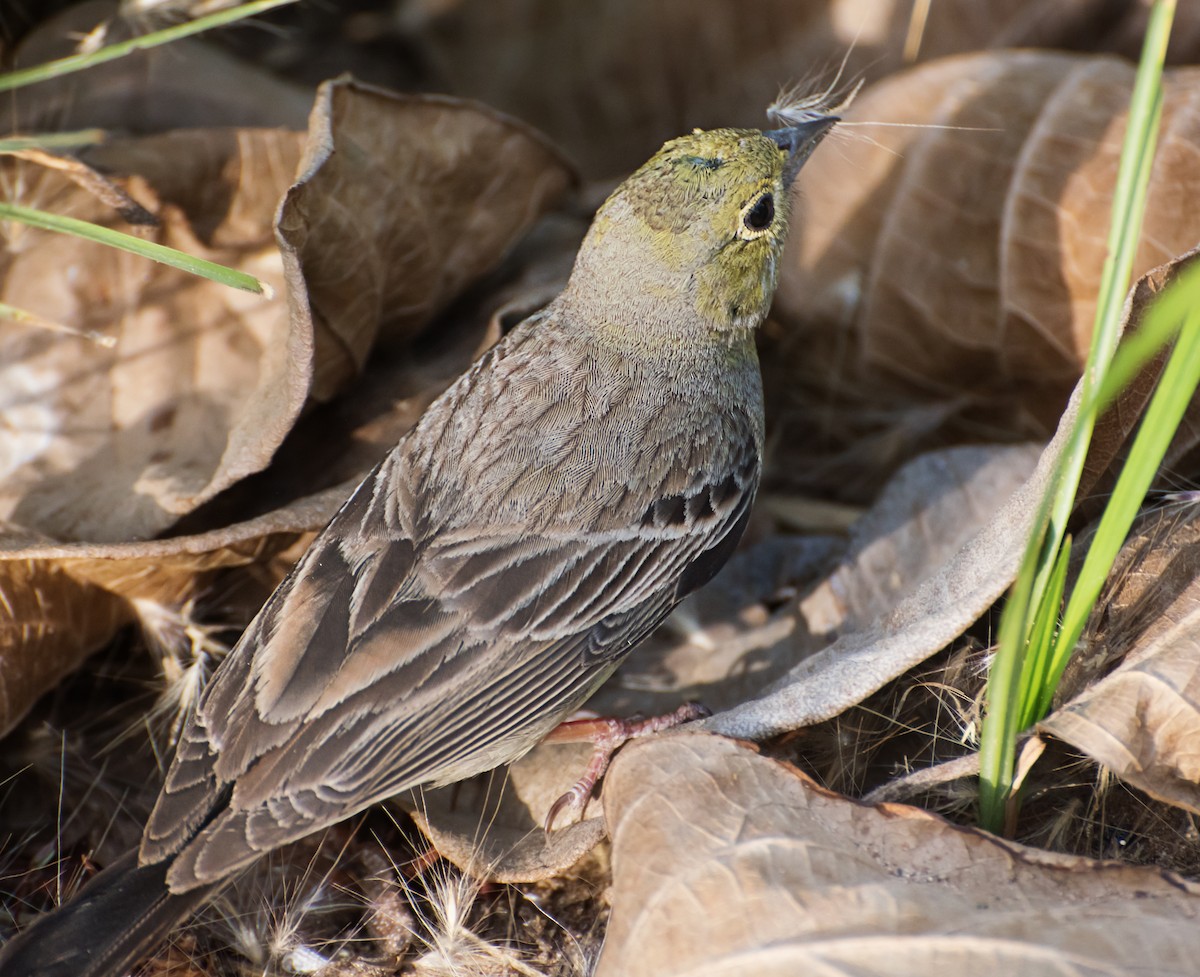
[[589, 471]]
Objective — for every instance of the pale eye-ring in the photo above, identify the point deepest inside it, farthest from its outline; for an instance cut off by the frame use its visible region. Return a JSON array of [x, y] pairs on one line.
[[759, 215]]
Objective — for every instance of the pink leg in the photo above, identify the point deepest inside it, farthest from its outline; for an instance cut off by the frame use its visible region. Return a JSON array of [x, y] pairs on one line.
[[607, 736]]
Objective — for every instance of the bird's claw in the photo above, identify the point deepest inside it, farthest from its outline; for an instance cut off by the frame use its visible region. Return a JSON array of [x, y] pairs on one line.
[[607, 736]]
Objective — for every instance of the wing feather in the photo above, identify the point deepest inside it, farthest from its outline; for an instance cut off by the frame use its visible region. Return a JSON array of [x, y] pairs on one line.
[[415, 644]]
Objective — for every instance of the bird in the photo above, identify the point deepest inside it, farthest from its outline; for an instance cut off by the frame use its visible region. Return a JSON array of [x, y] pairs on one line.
[[543, 516]]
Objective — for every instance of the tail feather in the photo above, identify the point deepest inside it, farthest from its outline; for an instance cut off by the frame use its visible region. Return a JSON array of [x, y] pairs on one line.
[[114, 921]]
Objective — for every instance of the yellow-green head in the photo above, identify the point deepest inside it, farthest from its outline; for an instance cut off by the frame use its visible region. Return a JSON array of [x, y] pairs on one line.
[[691, 241]]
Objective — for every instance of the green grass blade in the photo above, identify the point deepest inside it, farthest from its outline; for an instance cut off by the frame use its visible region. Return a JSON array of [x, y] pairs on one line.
[[52, 140], [79, 62], [1016, 659], [1171, 399], [1129, 204], [1001, 723], [1042, 635], [135, 245]]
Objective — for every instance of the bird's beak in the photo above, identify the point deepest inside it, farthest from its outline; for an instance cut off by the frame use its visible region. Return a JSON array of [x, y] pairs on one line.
[[799, 141]]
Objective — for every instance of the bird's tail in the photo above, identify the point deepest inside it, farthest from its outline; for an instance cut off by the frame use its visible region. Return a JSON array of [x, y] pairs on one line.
[[115, 920]]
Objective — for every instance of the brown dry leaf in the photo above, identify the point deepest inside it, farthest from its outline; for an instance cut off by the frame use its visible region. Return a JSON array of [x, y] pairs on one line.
[[202, 383], [726, 862], [59, 602], [403, 202], [1141, 719], [969, 261], [49, 621], [839, 214], [928, 511], [1060, 200]]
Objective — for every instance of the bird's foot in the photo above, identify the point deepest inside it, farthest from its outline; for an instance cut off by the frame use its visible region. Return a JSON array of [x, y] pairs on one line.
[[607, 735]]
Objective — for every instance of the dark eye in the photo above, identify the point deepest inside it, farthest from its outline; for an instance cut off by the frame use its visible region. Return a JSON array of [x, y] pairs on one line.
[[759, 217]]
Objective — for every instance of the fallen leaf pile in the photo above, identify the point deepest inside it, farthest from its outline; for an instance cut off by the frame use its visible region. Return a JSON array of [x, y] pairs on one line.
[[168, 446]]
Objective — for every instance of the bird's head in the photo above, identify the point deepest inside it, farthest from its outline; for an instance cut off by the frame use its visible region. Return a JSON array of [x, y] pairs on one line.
[[695, 234]]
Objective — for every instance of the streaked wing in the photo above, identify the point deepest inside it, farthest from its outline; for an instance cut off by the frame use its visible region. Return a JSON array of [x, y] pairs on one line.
[[389, 659]]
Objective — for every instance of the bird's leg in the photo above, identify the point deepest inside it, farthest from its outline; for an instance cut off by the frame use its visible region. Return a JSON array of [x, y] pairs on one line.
[[607, 735]]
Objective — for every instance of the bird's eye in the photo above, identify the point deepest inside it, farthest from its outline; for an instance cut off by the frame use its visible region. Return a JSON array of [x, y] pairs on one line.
[[759, 216]]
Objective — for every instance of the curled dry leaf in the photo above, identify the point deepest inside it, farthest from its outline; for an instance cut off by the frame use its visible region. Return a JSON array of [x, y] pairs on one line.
[[928, 511], [403, 202], [116, 444], [1141, 718], [201, 382], [726, 862], [50, 621], [968, 259], [61, 601]]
